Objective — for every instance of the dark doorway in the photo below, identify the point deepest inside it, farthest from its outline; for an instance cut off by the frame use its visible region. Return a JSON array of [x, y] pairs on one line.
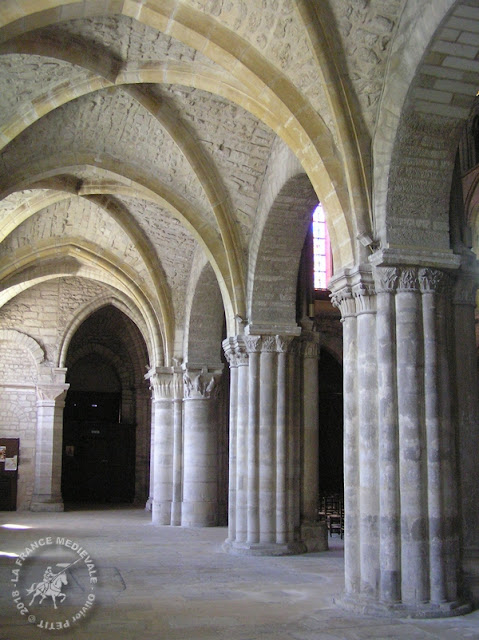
[[330, 479], [98, 448]]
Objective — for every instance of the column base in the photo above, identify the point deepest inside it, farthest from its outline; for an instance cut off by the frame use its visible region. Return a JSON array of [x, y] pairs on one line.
[[315, 536], [362, 605], [263, 548], [41, 503]]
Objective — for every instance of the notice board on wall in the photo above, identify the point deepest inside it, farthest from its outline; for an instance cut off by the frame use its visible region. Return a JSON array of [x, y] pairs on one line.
[[9, 457]]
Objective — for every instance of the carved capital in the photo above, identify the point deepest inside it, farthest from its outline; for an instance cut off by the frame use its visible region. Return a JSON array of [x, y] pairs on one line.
[[162, 383], [386, 279], [408, 279], [432, 280], [365, 297], [268, 344], [344, 301], [52, 393], [284, 343], [235, 350], [201, 384], [253, 343]]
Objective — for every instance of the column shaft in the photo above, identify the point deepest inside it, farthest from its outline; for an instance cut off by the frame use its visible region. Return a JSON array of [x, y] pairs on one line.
[[163, 462], [200, 465], [253, 437], [177, 496], [267, 448], [413, 479], [390, 550]]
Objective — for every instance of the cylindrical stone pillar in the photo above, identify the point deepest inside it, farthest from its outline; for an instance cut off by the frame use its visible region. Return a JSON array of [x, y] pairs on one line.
[[435, 428], [343, 299], [367, 438], [161, 385], [200, 463], [242, 453], [177, 461], [253, 345], [229, 347], [412, 441], [389, 509], [267, 442], [149, 502], [163, 461]]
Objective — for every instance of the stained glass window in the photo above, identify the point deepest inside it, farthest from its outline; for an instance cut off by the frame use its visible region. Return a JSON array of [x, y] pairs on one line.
[[321, 250]]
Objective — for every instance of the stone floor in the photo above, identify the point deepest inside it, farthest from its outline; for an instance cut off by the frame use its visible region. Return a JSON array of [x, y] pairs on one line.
[[164, 583]]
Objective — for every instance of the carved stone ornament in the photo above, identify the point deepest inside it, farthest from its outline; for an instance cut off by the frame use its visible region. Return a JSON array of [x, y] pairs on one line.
[[386, 279], [408, 280], [235, 351], [432, 280], [162, 386], [52, 393], [345, 302], [365, 298], [284, 343], [253, 343], [200, 384], [268, 344]]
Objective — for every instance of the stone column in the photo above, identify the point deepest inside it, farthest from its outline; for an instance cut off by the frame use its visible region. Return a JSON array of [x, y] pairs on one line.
[[143, 444], [149, 502], [412, 439], [231, 350], [343, 299], [200, 464], [313, 532], [253, 344], [177, 496], [161, 381], [266, 445], [467, 409], [388, 443], [49, 438], [399, 444]]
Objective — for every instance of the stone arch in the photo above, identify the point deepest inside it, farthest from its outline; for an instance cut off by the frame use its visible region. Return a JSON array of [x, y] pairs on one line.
[[205, 314], [278, 256], [122, 304], [427, 97], [23, 341], [83, 260], [205, 234], [289, 114]]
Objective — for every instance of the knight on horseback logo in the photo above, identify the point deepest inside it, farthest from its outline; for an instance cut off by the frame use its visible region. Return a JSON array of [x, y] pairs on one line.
[[48, 585]]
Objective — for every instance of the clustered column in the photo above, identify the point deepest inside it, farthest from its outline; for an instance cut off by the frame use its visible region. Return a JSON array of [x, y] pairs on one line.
[[184, 446], [264, 446], [401, 533]]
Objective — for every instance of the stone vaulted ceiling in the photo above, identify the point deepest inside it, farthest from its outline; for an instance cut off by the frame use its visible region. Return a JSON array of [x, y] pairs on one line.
[[135, 135]]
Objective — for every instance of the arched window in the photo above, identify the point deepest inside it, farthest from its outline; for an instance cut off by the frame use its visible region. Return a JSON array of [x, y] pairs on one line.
[[323, 263]]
